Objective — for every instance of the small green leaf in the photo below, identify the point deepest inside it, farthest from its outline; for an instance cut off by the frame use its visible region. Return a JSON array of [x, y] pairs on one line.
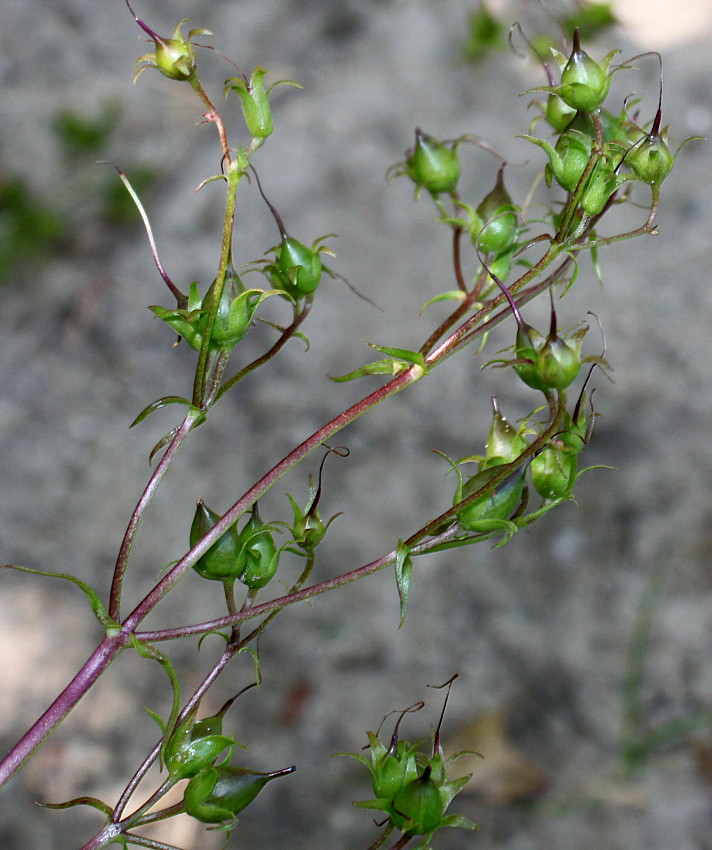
[[157, 405], [451, 295], [162, 443], [81, 801], [404, 568], [378, 367], [97, 606], [146, 650], [414, 357]]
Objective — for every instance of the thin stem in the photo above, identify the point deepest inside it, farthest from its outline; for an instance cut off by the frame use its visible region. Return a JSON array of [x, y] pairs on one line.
[[382, 838], [456, 259], [130, 534], [298, 584], [234, 174], [213, 115], [98, 661], [407, 377], [136, 780], [229, 588], [429, 530], [133, 820]]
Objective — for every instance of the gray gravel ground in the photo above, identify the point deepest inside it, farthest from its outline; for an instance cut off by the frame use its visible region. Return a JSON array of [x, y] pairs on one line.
[[538, 630]]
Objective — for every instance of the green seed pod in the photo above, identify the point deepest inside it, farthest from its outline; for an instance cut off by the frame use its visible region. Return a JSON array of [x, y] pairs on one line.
[[391, 769], [499, 267], [504, 442], [558, 113], [234, 315], [499, 217], [651, 160], [218, 794], [221, 561], [574, 432], [568, 159], [432, 165], [259, 555], [298, 268], [558, 363], [418, 809], [526, 349], [602, 183], [174, 57], [584, 83], [574, 149], [309, 530], [553, 472], [497, 503]]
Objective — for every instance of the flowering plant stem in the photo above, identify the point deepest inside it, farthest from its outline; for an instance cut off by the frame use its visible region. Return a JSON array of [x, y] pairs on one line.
[[490, 503]]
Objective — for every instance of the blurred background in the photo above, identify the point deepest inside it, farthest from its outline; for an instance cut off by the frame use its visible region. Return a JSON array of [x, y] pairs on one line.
[[582, 646]]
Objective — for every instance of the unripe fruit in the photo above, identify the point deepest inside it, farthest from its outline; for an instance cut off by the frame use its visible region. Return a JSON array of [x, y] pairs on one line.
[[432, 165]]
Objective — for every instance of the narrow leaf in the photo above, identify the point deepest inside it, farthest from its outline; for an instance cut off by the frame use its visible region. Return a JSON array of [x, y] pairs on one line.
[[404, 568], [378, 367], [157, 405], [414, 357], [81, 801], [97, 606]]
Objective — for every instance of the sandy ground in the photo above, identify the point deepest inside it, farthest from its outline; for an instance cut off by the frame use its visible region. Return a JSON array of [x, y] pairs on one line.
[[539, 630]]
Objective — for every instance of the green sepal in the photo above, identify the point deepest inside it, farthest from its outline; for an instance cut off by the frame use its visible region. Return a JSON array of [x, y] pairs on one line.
[[158, 404], [194, 745], [97, 606], [404, 569], [308, 529], [281, 328]]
